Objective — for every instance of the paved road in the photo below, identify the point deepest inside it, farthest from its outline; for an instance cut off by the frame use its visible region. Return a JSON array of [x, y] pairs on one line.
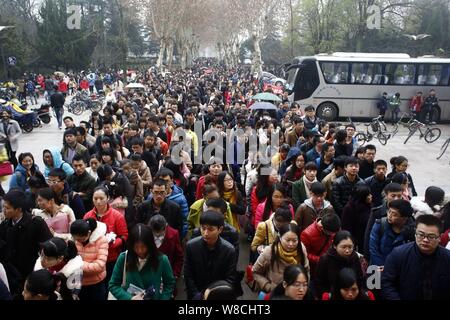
[[424, 167]]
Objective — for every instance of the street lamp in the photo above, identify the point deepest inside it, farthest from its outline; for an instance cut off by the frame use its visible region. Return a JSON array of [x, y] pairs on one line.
[[1, 49]]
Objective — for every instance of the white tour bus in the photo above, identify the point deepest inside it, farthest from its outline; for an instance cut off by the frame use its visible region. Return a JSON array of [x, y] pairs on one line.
[[350, 84]]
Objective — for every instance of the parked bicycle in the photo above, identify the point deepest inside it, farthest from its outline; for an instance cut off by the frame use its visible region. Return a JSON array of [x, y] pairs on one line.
[[379, 131], [443, 148], [430, 134], [82, 101], [402, 121]]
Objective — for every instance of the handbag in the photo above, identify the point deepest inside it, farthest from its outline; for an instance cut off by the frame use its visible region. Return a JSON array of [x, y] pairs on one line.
[[124, 278], [6, 169], [248, 278]]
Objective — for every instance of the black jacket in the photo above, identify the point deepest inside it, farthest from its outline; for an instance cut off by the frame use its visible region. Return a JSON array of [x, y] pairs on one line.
[[354, 219], [229, 233], [411, 186], [203, 266], [19, 247], [57, 100], [329, 266], [376, 189], [377, 213], [405, 271], [342, 189], [343, 150], [169, 209], [365, 169]]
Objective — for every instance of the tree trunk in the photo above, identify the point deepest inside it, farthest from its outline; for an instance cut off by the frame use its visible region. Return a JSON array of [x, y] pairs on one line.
[[184, 54], [162, 50], [169, 51], [257, 59]]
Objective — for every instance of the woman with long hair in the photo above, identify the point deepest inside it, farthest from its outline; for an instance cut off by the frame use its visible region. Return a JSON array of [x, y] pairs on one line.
[[230, 193], [276, 196], [26, 169], [348, 288], [295, 285], [400, 165], [146, 271], [287, 250]]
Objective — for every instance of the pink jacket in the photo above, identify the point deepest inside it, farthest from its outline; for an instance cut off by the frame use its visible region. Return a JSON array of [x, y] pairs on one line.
[[94, 256], [260, 212]]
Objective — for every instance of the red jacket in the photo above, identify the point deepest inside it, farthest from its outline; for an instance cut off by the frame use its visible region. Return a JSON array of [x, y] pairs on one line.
[[199, 191], [445, 238], [62, 87], [171, 247], [254, 205], [416, 104], [316, 243], [115, 222], [84, 84]]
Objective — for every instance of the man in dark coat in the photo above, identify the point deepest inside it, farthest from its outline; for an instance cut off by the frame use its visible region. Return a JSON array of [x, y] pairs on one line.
[[418, 270], [377, 182], [20, 236], [344, 186], [209, 258], [160, 205], [367, 165], [81, 182]]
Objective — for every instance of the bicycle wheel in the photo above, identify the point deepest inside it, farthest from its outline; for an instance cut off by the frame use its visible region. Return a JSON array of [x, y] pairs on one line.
[[382, 138], [78, 108], [361, 138], [96, 106], [411, 133], [443, 148], [395, 130], [432, 135]]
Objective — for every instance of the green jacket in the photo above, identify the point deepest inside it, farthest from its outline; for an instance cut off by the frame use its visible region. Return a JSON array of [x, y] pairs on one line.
[[143, 279], [196, 211], [84, 183], [298, 193]]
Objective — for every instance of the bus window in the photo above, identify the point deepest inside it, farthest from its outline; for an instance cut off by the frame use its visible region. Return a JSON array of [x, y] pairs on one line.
[[445, 77], [429, 74], [400, 74], [335, 72], [307, 80], [364, 73]]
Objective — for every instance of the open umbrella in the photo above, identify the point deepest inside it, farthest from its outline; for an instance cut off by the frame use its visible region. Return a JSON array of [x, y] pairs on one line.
[[263, 106], [135, 86], [266, 96]]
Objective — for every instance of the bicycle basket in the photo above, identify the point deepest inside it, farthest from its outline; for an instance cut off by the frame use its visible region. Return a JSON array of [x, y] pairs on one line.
[[375, 126]]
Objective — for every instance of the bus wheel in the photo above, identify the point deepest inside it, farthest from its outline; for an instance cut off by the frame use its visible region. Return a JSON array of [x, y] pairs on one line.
[[327, 111], [436, 114]]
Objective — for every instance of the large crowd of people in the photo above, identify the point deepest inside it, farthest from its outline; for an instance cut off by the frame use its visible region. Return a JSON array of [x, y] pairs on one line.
[[125, 210]]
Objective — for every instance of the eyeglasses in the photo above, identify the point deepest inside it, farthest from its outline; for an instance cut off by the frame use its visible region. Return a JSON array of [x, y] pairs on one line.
[[228, 180], [53, 181], [300, 285], [431, 237], [159, 193]]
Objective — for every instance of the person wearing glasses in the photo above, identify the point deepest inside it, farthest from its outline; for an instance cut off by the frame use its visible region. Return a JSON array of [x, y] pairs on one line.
[[294, 286], [418, 270], [391, 231]]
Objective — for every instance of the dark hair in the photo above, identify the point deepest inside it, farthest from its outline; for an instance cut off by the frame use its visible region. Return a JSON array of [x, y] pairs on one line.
[[15, 197], [351, 160], [400, 178], [58, 247], [339, 162], [221, 184], [268, 208], [371, 147], [68, 117], [318, 188], [137, 141], [136, 157], [297, 120], [429, 220], [310, 108], [28, 154], [208, 188], [41, 282], [292, 272], [396, 161], [169, 164], [342, 235], [221, 290], [212, 218], [47, 194], [159, 183], [345, 279], [284, 213], [81, 131], [104, 171], [218, 203], [392, 187], [262, 182], [37, 182], [380, 163], [340, 136], [82, 227], [350, 125], [157, 223], [78, 157], [164, 172], [360, 150], [331, 222], [360, 194], [142, 233], [312, 166], [57, 172], [434, 196], [404, 207], [291, 227], [326, 147]]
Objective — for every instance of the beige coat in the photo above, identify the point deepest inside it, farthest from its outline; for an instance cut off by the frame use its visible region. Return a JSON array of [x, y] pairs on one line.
[[266, 277]]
